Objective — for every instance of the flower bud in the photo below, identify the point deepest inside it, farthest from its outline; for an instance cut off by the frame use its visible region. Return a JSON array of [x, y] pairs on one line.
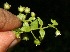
[[7, 6], [21, 9], [27, 10], [37, 42], [32, 14], [57, 33]]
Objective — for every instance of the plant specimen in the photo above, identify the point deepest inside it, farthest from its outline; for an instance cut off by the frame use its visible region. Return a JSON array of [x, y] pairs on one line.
[[31, 24]]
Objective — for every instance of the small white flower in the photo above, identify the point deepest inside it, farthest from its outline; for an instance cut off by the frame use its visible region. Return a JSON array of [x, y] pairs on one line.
[[27, 10], [57, 33], [7, 6], [21, 9]]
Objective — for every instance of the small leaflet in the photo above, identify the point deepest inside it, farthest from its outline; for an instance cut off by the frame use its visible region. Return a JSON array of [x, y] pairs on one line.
[[42, 33], [34, 25], [54, 22], [40, 21]]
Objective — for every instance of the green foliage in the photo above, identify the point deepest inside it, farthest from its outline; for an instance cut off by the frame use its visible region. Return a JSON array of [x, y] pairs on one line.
[[32, 18], [40, 21], [42, 33], [25, 29], [33, 23], [54, 22]]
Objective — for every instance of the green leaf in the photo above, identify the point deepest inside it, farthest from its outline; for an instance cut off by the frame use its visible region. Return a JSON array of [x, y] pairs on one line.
[[26, 29], [40, 21], [31, 18], [34, 25], [54, 22], [42, 33], [25, 24]]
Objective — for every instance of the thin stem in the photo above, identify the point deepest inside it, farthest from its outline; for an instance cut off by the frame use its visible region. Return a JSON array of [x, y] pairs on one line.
[[42, 28], [45, 27], [33, 35]]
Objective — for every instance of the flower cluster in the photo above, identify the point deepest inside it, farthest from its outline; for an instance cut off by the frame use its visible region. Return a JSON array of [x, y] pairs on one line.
[[32, 23]]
